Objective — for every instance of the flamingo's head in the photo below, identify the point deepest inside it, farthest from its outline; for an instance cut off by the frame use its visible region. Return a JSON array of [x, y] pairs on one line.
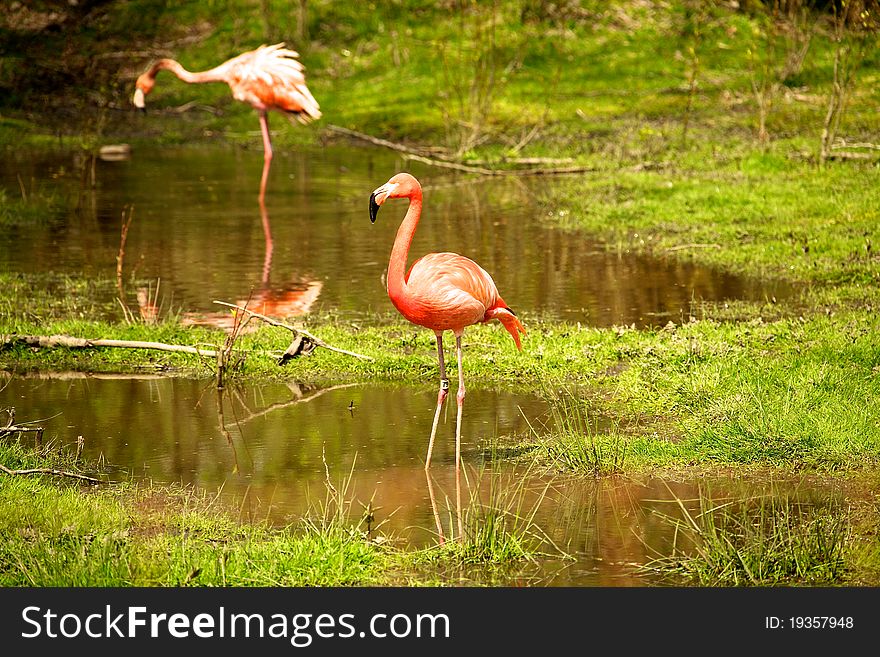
[[402, 185], [143, 86]]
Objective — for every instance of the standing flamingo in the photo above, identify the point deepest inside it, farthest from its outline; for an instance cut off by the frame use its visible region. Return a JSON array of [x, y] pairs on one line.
[[268, 78], [442, 291]]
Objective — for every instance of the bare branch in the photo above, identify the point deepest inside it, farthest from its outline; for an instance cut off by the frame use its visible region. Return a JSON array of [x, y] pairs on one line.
[[296, 331], [414, 154]]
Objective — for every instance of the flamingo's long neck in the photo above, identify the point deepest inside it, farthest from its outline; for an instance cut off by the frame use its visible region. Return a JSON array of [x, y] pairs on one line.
[[211, 75], [400, 251]]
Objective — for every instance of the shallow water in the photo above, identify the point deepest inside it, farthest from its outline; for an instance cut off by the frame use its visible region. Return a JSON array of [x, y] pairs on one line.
[[199, 233], [269, 451]]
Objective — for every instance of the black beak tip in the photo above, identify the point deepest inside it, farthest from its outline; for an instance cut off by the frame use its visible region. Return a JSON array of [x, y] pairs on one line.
[[374, 208]]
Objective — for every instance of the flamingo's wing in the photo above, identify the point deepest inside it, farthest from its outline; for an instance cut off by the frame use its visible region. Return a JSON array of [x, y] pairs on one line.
[[453, 285], [271, 77]]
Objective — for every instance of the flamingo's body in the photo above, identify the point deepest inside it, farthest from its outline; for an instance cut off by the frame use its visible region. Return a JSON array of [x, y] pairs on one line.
[[268, 78], [441, 291]]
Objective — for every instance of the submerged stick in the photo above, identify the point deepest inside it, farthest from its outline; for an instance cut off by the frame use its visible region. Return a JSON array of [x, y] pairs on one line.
[[296, 331]]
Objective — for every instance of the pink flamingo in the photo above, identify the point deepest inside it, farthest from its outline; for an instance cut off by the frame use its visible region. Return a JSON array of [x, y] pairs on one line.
[[442, 291], [268, 78]]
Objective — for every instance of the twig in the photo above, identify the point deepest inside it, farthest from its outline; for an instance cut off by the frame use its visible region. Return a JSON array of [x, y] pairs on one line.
[[24, 196], [692, 246], [193, 104], [60, 473], [296, 331], [70, 342], [120, 256]]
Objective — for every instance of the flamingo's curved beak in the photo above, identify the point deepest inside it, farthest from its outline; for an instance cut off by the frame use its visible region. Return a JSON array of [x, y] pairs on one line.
[[138, 100], [378, 197], [374, 208]]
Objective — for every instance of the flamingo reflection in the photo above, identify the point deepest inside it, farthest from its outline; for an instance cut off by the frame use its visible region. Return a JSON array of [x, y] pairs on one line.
[[441, 537], [292, 299]]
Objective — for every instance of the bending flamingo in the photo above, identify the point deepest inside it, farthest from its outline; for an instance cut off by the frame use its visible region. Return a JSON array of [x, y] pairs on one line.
[[268, 78], [441, 291]]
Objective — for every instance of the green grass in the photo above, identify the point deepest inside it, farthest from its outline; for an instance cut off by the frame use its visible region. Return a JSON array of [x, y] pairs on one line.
[[768, 217], [770, 541], [491, 537], [54, 533], [27, 209], [57, 532], [605, 85], [578, 443]]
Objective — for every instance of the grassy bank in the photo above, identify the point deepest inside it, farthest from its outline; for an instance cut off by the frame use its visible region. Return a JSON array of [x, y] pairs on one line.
[[60, 532], [55, 533]]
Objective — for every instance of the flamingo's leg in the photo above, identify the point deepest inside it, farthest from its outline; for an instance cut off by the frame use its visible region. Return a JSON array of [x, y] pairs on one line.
[[460, 399], [441, 396], [267, 151]]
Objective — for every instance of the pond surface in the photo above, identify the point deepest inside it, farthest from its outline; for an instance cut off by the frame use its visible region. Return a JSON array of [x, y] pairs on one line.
[[198, 232], [268, 450]]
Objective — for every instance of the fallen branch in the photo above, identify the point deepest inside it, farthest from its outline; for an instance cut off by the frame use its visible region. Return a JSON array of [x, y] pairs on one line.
[[59, 473], [529, 160], [844, 144], [418, 156], [70, 342], [550, 171], [18, 428], [443, 164], [297, 332], [847, 155], [374, 140]]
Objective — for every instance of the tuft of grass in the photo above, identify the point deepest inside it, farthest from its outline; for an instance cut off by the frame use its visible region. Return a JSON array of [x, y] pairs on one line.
[[578, 443], [31, 208], [769, 541], [495, 528]]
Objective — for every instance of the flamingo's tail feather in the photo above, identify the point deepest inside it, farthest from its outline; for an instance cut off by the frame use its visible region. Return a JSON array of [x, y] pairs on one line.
[[511, 322]]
